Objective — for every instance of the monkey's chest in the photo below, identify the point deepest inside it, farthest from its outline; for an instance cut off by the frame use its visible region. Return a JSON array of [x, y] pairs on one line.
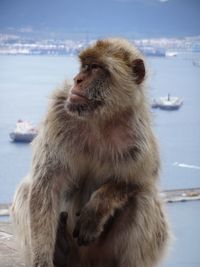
[[115, 148], [99, 156], [112, 142]]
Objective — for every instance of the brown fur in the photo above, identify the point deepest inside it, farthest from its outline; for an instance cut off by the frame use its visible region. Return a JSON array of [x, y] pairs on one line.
[[96, 154]]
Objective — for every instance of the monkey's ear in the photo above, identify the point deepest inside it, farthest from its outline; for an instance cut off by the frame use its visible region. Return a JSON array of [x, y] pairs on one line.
[[138, 70]]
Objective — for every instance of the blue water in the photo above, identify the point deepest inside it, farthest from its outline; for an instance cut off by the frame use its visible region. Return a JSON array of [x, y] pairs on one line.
[[25, 85], [27, 82], [184, 250], [178, 131]]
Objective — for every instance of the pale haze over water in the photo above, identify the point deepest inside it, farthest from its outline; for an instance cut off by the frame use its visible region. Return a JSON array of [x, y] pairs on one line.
[[27, 81]]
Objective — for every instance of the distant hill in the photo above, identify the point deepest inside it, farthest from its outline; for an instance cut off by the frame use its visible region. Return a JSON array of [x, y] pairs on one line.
[[133, 18]]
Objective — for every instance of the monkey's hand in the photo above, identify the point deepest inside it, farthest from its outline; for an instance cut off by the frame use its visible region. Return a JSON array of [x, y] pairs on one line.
[[102, 205], [89, 226]]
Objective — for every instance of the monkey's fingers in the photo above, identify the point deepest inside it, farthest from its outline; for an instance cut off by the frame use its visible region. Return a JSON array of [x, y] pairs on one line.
[[63, 217], [84, 234], [81, 241], [62, 221]]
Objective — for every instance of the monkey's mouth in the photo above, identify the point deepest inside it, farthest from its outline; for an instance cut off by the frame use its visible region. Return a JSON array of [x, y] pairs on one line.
[[77, 102], [76, 97]]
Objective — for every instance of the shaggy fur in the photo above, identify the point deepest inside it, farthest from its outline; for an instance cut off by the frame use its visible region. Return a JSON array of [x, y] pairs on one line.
[[101, 161]]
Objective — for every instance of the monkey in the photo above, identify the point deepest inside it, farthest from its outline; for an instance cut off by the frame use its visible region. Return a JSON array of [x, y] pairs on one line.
[[96, 159]]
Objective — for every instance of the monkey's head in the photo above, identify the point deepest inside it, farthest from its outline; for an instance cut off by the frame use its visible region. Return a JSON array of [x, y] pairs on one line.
[[110, 78]]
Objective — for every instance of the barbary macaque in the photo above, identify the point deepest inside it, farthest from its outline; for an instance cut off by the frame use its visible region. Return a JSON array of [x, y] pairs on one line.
[[91, 197]]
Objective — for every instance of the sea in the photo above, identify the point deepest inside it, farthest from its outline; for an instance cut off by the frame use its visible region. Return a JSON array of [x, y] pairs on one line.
[[26, 83]]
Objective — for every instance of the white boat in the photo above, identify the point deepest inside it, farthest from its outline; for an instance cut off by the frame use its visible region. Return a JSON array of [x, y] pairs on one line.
[[168, 102], [23, 132], [171, 53]]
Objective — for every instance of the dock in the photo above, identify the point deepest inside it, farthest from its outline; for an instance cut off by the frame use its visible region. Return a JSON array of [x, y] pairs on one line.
[[181, 195], [173, 195], [9, 250]]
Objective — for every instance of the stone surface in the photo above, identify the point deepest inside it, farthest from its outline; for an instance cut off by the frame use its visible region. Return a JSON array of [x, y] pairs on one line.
[[9, 253]]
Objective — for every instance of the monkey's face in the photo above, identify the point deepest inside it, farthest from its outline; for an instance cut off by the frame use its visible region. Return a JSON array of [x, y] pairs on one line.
[[87, 94], [109, 79]]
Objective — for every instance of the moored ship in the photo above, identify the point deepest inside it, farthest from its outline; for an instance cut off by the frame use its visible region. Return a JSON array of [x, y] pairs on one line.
[[167, 102], [23, 132]]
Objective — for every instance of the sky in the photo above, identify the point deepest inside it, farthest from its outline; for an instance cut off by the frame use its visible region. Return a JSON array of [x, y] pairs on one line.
[[133, 18]]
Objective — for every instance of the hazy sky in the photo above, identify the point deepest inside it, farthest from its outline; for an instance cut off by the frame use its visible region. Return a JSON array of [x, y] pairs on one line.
[[139, 18]]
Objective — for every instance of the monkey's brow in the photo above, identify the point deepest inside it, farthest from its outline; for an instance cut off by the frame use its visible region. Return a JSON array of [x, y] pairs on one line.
[[91, 60], [89, 65]]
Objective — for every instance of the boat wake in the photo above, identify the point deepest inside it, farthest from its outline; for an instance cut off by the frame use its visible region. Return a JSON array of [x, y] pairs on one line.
[[183, 165]]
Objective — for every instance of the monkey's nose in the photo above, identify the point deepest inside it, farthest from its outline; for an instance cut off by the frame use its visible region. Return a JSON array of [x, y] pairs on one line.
[[79, 78], [78, 81]]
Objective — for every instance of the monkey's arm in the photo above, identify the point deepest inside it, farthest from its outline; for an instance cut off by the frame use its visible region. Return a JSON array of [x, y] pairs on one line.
[[103, 203], [44, 195]]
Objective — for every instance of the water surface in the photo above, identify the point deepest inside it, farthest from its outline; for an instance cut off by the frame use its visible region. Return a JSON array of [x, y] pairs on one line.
[[25, 85]]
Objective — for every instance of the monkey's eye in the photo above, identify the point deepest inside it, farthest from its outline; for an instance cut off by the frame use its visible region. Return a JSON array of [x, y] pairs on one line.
[[85, 67], [95, 66]]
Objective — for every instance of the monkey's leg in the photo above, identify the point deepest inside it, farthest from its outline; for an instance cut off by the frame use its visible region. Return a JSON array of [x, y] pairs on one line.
[[102, 205], [20, 219], [44, 214], [144, 241], [65, 254]]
